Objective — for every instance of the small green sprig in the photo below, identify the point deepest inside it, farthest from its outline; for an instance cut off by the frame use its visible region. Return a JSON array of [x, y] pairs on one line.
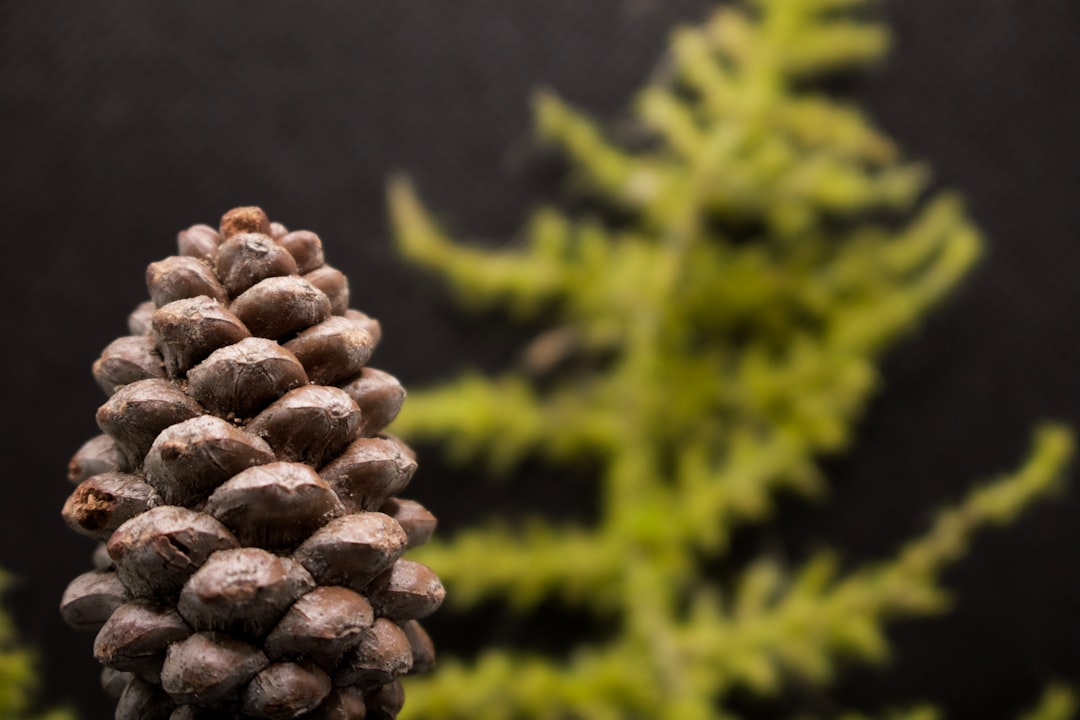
[[18, 680], [1057, 703]]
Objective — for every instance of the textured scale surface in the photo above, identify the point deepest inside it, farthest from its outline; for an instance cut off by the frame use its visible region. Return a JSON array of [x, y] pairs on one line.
[[244, 495]]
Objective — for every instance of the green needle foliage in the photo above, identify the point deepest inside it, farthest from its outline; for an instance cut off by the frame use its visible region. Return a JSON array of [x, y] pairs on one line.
[[17, 678], [718, 315]]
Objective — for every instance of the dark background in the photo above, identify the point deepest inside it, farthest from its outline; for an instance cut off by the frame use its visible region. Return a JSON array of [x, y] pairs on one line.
[[125, 122]]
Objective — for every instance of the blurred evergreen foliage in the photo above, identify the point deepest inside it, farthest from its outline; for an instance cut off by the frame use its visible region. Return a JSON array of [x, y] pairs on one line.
[[718, 310], [1057, 703], [17, 679]]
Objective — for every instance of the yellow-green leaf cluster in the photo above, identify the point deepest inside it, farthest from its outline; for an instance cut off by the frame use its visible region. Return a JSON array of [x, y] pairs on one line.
[[18, 681], [1057, 703], [717, 319]]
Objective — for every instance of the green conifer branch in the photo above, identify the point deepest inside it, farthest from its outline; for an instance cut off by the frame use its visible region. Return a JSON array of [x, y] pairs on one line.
[[516, 279], [527, 567], [773, 627], [807, 627], [706, 351]]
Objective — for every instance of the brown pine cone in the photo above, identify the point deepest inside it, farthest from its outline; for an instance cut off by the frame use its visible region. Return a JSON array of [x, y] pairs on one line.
[[244, 496]]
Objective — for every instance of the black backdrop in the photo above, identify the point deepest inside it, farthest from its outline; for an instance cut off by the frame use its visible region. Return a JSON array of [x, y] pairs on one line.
[[124, 122]]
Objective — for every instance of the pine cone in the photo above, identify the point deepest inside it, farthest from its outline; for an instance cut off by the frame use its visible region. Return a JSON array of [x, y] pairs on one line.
[[245, 496]]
